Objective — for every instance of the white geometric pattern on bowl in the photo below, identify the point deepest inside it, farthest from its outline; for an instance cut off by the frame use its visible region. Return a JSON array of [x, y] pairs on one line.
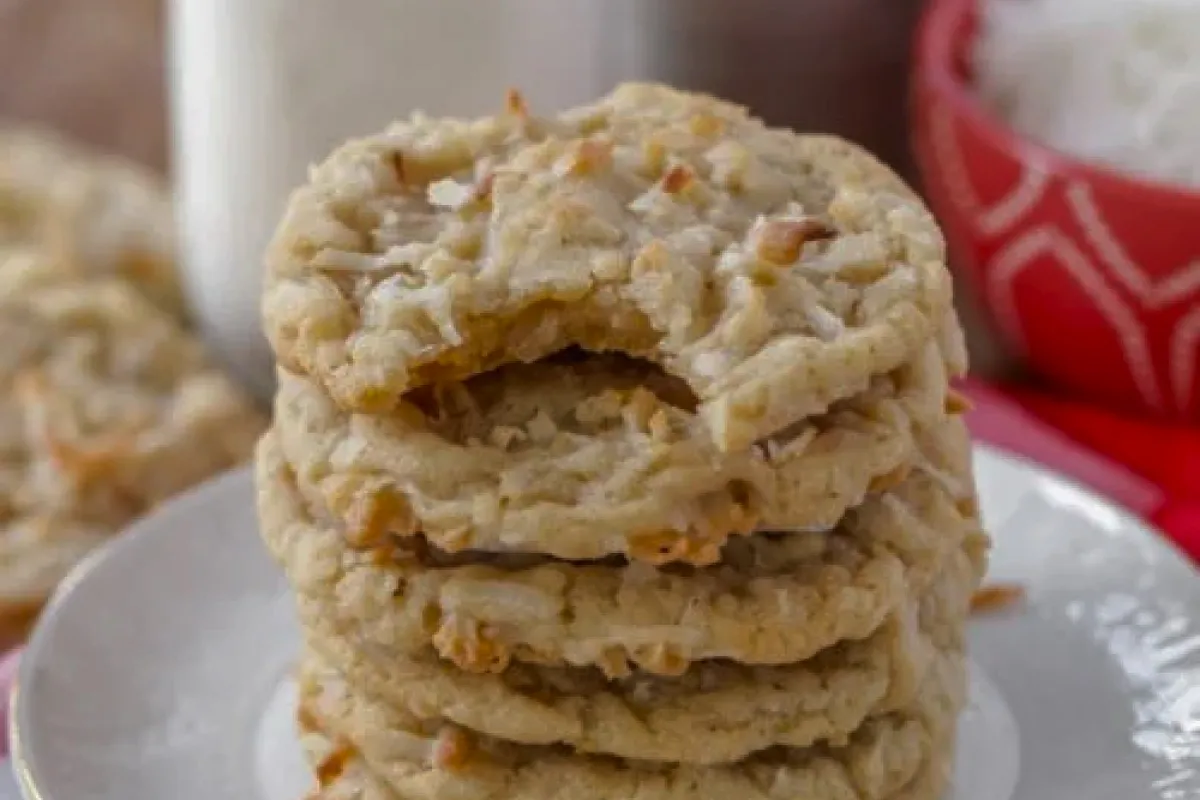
[[1117, 286]]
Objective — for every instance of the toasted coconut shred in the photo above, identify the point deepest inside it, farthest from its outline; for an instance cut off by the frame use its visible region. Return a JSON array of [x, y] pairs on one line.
[[996, 597]]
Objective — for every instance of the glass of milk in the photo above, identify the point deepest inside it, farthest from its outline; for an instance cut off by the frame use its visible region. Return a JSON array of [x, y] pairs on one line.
[[264, 88]]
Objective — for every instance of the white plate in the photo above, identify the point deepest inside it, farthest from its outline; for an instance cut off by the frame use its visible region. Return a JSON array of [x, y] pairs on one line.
[[160, 670]]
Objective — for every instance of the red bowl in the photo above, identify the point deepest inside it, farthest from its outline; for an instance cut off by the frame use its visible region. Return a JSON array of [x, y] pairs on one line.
[[1092, 276]]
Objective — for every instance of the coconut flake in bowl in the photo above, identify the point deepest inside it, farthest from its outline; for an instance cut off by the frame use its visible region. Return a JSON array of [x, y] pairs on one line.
[[1110, 81]]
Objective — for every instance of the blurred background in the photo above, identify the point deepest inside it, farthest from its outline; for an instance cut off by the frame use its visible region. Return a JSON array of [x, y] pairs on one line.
[[91, 68]]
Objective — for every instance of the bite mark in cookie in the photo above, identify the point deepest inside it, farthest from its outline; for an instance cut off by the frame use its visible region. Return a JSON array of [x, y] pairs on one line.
[[640, 224]]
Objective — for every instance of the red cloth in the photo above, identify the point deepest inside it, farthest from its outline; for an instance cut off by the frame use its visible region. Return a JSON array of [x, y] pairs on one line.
[[1153, 468]]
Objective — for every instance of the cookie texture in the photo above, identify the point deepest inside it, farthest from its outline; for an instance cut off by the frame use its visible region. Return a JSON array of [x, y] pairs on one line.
[[772, 599], [582, 457], [615, 454], [714, 712], [359, 744], [107, 408], [772, 273], [69, 214]]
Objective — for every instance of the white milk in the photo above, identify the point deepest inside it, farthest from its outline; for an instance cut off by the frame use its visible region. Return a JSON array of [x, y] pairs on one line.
[[263, 88]]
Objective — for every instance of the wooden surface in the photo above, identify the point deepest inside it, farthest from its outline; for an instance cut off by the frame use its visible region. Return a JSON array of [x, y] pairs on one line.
[[92, 68]]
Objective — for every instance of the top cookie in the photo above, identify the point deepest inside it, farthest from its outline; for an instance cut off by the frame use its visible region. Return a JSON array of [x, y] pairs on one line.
[[773, 273]]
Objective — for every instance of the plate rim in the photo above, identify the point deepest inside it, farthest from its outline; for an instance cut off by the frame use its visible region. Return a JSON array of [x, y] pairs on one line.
[[187, 502], [180, 505]]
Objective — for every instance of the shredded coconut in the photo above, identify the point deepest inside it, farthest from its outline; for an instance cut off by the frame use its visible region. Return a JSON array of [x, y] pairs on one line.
[[449, 193], [1112, 81], [513, 600]]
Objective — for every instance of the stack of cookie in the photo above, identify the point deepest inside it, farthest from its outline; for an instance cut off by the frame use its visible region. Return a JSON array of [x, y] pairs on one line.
[[614, 456]]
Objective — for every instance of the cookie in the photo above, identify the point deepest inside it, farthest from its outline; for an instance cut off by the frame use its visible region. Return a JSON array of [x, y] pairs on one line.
[[338, 771], [773, 598], [582, 457], [73, 214], [772, 273], [714, 712], [107, 407], [359, 744]]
